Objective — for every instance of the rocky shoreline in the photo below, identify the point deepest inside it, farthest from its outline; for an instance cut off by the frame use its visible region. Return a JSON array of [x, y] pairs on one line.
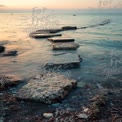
[[68, 100], [88, 103]]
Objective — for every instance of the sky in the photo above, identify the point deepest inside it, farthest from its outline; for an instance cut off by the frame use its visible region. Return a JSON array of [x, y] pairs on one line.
[[62, 4]]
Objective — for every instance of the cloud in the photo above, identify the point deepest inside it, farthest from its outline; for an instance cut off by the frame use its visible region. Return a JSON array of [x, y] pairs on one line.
[[2, 5]]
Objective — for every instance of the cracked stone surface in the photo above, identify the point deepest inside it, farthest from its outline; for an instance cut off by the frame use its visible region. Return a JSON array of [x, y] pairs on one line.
[[46, 88]]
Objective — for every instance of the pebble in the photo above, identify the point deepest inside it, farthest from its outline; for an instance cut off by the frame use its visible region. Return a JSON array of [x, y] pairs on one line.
[[86, 109], [48, 115], [1, 94], [82, 116], [99, 86]]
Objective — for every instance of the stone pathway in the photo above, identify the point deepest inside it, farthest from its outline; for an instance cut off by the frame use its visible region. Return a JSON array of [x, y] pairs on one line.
[[67, 60], [52, 87]]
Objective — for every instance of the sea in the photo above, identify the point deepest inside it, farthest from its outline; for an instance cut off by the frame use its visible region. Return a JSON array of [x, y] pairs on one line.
[[100, 46]]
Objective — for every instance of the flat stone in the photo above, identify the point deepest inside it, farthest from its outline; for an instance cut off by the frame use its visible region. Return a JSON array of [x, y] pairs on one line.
[[65, 61], [61, 39], [9, 53], [49, 31], [43, 35], [65, 46], [69, 28], [2, 49], [46, 88], [9, 80]]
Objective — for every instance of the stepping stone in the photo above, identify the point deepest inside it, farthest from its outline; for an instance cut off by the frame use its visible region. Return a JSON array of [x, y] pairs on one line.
[[46, 88], [49, 31], [66, 61], [69, 28], [65, 46], [61, 39], [46, 35], [9, 80]]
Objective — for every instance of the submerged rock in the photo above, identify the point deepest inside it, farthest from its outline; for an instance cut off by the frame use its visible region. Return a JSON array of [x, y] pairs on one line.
[[9, 80], [2, 49], [43, 35], [47, 88], [65, 46], [65, 61], [61, 39], [9, 53]]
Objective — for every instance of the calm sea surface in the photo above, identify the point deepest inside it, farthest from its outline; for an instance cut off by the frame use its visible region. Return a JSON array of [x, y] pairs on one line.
[[100, 47]]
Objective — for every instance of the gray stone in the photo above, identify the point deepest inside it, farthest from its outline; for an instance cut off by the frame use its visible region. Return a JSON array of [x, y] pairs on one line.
[[49, 31], [48, 115], [65, 61], [61, 39], [47, 88], [43, 35], [2, 49], [65, 46], [9, 80], [69, 28], [9, 53]]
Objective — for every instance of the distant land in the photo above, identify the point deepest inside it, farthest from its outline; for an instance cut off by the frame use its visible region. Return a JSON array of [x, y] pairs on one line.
[[89, 10]]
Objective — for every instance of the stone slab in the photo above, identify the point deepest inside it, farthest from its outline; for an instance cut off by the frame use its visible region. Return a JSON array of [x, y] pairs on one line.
[[45, 35], [61, 39], [49, 31], [65, 46], [69, 28], [46, 88], [66, 61]]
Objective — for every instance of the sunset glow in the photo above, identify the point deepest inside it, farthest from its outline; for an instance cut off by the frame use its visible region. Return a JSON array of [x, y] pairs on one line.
[[63, 4]]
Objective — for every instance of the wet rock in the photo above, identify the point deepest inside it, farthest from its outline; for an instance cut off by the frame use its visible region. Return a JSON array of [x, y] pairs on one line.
[[98, 104], [46, 88], [49, 31], [86, 110], [65, 61], [65, 46], [48, 115], [9, 80], [2, 49], [9, 53], [43, 35], [69, 28], [55, 39]]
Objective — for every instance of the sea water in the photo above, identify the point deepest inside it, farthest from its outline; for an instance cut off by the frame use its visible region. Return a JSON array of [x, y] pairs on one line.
[[100, 47]]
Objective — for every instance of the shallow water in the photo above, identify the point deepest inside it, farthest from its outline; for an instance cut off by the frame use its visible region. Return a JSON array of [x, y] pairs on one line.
[[100, 47]]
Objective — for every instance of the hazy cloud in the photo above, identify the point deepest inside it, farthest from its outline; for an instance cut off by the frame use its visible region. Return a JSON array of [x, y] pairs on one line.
[[2, 5]]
